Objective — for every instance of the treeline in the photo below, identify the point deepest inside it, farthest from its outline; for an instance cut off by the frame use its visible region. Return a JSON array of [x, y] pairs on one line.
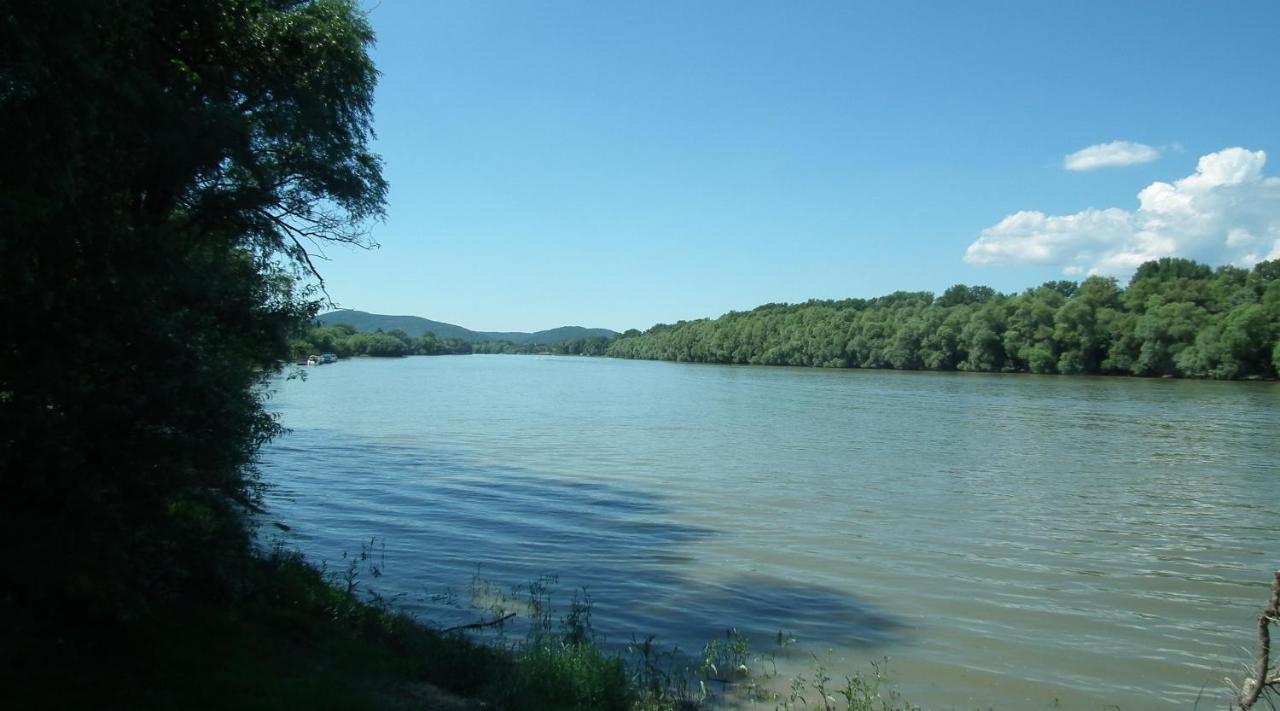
[[1175, 318], [589, 346], [345, 341]]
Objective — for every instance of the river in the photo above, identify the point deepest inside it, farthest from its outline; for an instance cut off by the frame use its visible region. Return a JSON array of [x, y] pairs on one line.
[[1008, 541]]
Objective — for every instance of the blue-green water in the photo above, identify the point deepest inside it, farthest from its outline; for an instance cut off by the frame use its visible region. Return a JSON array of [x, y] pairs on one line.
[[1008, 541]]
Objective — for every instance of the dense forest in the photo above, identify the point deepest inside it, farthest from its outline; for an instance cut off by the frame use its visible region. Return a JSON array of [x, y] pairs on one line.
[[344, 341], [589, 346], [1175, 318]]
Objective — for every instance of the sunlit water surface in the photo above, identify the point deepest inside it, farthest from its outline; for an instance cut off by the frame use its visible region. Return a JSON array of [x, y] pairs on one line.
[[1008, 541]]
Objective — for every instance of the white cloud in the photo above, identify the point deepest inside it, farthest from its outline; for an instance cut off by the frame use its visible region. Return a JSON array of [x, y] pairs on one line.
[[1110, 155], [1225, 212], [1238, 237]]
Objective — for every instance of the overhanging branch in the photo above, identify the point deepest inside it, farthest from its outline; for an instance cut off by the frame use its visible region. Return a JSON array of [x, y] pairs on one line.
[[1263, 677]]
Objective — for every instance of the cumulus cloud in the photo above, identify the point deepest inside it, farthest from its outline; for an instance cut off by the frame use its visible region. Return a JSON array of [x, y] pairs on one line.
[[1225, 212], [1110, 155]]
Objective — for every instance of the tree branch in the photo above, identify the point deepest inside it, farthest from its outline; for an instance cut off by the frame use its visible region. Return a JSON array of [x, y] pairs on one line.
[[479, 625], [294, 233], [1256, 686]]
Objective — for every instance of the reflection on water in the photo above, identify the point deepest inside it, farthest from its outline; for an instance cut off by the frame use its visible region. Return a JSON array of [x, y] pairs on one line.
[[1007, 540], [441, 519]]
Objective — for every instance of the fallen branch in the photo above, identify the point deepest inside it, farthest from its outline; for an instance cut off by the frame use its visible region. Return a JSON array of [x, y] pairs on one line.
[[1254, 687], [479, 625]]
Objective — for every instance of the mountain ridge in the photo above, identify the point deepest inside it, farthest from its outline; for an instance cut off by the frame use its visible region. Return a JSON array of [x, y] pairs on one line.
[[415, 326]]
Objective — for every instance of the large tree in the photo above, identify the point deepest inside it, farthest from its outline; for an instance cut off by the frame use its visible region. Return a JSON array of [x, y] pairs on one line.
[[170, 167]]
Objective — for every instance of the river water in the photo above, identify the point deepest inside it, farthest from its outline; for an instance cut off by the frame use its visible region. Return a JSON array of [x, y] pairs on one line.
[[1007, 541]]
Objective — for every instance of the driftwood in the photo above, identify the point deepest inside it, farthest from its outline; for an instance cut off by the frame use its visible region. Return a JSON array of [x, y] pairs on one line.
[[479, 625], [1260, 683]]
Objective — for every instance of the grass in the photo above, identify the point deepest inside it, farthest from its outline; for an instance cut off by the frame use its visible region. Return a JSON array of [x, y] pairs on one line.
[[291, 640], [295, 637]]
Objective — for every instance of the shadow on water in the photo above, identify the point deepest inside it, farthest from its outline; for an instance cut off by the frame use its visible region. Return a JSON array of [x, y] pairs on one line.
[[444, 519], [760, 607]]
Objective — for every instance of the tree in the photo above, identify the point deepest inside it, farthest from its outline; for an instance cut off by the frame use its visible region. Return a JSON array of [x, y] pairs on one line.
[[170, 168], [982, 338], [1078, 326], [1029, 338], [961, 294], [1247, 335], [1164, 332]]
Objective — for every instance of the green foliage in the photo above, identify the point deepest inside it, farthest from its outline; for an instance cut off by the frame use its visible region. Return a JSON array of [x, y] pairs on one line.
[[589, 346], [1176, 318], [343, 341], [552, 674], [858, 692], [168, 166]]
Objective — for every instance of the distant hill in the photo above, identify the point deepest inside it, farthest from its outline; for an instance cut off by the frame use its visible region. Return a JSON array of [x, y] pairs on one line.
[[417, 326]]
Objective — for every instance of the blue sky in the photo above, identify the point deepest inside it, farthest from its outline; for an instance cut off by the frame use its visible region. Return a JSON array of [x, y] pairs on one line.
[[622, 164]]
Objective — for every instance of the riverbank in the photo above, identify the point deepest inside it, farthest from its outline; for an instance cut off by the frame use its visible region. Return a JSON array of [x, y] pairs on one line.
[[293, 638]]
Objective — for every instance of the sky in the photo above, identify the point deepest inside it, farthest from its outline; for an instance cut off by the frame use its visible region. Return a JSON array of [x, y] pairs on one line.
[[623, 164]]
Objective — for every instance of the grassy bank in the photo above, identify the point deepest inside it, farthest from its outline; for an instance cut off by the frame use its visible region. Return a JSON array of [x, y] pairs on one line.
[[294, 638]]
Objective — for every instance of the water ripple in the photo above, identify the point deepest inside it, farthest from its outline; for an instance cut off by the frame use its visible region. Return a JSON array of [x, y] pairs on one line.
[[1012, 540]]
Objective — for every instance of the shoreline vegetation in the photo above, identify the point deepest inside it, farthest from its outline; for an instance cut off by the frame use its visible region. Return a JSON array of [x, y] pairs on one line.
[[295, 635], [1176, 318], [344, 341]]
